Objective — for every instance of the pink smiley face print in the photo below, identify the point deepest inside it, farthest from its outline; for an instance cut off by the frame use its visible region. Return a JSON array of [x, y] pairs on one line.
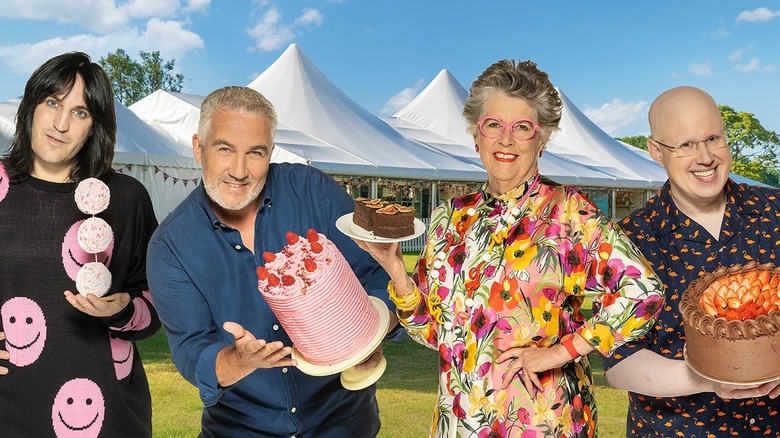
[[78, 410], [122, 353], [73, 257], [4, 183], [25, 330]]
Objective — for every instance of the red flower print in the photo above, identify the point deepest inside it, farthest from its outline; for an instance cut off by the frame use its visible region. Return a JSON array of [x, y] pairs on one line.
[[504, 294]]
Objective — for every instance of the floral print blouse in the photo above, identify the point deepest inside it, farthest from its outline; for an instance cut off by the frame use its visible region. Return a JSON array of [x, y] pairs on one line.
[[513, 271]]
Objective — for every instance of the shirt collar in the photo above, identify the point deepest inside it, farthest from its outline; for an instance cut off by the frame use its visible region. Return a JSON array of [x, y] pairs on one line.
[[669, 217], [513, 194]]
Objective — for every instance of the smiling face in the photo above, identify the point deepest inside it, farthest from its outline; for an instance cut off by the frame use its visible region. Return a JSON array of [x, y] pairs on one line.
[[122, 354], [697, 181], [508, 161], [235, 156], [78, 410], [25, 330], [61, 126]]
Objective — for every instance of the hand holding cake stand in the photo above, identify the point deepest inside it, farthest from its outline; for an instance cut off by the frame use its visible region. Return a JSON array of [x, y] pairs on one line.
[[352, 378]]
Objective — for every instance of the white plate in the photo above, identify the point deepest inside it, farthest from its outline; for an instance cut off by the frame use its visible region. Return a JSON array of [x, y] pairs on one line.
[[348, 227]]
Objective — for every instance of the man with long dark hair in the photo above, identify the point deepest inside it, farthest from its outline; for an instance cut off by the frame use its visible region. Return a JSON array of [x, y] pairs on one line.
[[68, 364]]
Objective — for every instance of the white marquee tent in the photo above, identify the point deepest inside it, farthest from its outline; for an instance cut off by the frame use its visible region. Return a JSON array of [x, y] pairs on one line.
[[178, 113], [307, 101], [570, 155], [162, 164]]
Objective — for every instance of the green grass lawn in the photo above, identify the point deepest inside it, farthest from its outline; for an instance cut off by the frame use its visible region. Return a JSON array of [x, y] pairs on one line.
[[406, 392]]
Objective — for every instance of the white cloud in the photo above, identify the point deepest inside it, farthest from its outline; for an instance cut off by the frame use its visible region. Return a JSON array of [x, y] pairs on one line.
[[149, 8], [400, 99], [754, 65], [310, 17], [616, 115], [196, 5], [94, 15], [271, 33], [737, 55], [99, 16], [700, 68], [720, 32], [757, 15], [169, 37]]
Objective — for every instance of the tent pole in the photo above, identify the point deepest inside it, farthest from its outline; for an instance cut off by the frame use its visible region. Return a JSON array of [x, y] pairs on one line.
[[374, 189], [614, 204], [434, 196]]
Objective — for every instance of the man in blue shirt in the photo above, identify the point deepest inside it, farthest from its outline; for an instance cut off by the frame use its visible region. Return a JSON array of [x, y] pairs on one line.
[[202, 264], [699, 220]]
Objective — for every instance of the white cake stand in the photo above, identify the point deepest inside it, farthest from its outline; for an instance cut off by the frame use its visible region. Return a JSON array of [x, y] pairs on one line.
[[351, 378]]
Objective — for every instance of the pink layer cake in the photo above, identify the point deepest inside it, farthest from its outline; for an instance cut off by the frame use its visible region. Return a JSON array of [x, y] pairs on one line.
[[318, 299]]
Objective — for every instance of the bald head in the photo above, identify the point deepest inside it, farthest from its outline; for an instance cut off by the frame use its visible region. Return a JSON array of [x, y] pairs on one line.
[[678, 105]]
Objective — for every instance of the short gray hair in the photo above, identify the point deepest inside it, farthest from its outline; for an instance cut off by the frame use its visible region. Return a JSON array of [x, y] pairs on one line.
[[515, 79], [235, 98]]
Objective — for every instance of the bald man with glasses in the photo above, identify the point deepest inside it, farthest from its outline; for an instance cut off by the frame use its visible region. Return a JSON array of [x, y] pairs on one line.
[[698, 220]]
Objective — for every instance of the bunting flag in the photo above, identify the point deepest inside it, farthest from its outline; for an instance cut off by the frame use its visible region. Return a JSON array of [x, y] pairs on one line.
[[166, 176]]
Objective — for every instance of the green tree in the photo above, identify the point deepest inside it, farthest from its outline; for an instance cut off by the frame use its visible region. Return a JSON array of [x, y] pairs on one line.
[[748, 139], [639, 141], [132, 80]]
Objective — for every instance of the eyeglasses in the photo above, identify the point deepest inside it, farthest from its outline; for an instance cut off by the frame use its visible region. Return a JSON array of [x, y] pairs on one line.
[[712, 143], [493, 127]]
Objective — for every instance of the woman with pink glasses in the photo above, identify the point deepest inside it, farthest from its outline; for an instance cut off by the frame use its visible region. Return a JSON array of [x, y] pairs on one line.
[[500, 284]]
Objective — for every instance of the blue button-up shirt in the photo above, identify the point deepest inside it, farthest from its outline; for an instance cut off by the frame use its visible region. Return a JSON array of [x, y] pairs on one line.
[[201, 275]]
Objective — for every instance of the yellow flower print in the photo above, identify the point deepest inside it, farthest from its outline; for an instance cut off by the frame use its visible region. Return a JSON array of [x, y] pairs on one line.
[[523, 332], [582, 378], [520, 254], [600, 336], [574, 284], [588, 228], [542, 412], [434, 306], [477, 400], [537, 204], [571, 210], [497, 405], [630, 326], [547, 316], [470, 359], [564, 420]]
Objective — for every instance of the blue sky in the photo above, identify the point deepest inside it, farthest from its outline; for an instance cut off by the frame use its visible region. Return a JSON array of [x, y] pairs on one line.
[[611, 58]]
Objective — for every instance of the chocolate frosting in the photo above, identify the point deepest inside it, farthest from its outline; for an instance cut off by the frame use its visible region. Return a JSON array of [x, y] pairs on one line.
[[696, 318]]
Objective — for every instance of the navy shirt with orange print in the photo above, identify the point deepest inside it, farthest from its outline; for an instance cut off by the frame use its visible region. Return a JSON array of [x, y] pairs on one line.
[[680, 250]]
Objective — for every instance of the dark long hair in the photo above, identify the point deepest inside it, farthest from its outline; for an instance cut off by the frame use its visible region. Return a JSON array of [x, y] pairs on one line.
[[56, 77]]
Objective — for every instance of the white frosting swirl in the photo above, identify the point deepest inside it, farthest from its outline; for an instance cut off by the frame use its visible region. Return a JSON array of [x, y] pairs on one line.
[[95, 235], [93, 278], [92, 196]]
